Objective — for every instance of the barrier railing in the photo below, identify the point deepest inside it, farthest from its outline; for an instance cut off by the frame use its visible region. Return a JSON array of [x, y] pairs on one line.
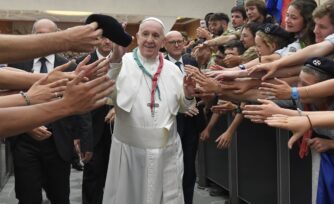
[[258, 167]]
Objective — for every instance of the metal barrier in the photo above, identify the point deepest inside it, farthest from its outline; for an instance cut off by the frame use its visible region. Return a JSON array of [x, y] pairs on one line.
[[6, 164], [258, 167]]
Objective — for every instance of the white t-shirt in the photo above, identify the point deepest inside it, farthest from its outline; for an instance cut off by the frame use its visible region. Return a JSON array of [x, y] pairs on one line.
[[330, 38], [291, 48]]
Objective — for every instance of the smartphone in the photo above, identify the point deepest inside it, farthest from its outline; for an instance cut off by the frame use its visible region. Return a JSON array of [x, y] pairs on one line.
[[202, 24]]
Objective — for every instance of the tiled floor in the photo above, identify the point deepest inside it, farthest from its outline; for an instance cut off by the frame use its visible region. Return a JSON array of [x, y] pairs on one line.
[[7, 195]]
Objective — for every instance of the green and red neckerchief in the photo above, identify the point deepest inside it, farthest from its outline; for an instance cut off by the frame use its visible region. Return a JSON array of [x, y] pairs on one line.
[[154, 78]]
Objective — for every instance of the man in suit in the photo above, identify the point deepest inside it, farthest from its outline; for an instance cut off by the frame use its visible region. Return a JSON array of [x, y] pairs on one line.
[[187, 127], [95, 171], [42, 156]]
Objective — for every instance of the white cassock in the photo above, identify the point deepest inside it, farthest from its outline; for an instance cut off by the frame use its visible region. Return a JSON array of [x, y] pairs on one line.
[[146, 158]]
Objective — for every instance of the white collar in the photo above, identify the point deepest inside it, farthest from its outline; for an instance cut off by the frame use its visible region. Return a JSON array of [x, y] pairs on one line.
[[174, 60], [49, 58], [99, 55], [145, 60]]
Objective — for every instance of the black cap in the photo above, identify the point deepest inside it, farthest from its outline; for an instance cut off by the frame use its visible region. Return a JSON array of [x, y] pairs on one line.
[[112, 29], [276, 30], [321, 64]]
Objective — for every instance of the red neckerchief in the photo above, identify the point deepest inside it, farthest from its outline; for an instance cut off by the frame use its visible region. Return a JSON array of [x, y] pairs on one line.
[[303, 145], [155, 80]]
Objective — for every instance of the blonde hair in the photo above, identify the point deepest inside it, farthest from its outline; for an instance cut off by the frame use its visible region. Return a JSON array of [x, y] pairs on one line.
[[272, 40]]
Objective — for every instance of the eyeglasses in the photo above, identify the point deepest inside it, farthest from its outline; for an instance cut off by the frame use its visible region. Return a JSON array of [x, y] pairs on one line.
[[174, 42]]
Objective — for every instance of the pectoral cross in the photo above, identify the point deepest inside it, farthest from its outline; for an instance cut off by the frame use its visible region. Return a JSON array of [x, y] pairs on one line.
[[155, 105]]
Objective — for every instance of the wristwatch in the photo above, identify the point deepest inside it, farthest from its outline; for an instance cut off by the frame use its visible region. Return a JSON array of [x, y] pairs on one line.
[[294, 93], [242, 66]]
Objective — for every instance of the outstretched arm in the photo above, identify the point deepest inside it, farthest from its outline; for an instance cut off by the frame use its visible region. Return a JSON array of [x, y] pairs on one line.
[[15, 48], [225, 139], [79, 97], [205, 134], [298, 58], [321, 89], [300, 124]]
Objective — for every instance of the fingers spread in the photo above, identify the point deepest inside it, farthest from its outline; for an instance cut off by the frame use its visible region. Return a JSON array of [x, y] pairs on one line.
[[63, 67], [61, 82]]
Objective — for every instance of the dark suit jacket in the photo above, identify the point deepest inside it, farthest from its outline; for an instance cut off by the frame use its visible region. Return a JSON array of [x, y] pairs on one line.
[[96, 117], [63, 130], [184, 122]]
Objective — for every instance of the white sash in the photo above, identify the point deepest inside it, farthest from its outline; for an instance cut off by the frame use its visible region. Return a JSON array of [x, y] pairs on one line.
[[145, 138]]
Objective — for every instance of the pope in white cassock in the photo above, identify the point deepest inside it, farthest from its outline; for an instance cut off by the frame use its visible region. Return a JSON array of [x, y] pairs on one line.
[[146, 164]]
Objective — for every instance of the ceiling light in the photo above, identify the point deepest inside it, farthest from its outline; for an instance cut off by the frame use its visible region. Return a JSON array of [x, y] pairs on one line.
[[68, 13]]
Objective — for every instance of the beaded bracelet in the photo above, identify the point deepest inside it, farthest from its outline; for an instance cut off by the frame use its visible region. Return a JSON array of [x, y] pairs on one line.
[[26, 97]]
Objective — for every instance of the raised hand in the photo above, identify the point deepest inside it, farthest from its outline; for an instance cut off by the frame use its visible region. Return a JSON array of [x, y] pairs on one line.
[[117, 54], [259, 113], [42, 91], [213, 73], [93, 70], [238, 86], [81, 96], [281, 90], [223, 107], [203, 33], [59, 73], [228, 75], [232, 60], [216, 67], [189, 86], [297, 124], [83, 38], [270, 68]]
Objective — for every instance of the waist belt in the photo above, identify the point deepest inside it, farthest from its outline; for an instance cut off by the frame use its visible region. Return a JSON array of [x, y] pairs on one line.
[[146, 138]]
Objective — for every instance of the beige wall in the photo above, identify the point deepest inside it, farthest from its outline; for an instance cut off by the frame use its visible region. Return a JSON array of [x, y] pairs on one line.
[[168, 11], [185, 8]]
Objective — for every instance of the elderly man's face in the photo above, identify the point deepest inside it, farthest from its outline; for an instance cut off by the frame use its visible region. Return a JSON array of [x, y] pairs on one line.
[[150, 38], [174, 44]]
